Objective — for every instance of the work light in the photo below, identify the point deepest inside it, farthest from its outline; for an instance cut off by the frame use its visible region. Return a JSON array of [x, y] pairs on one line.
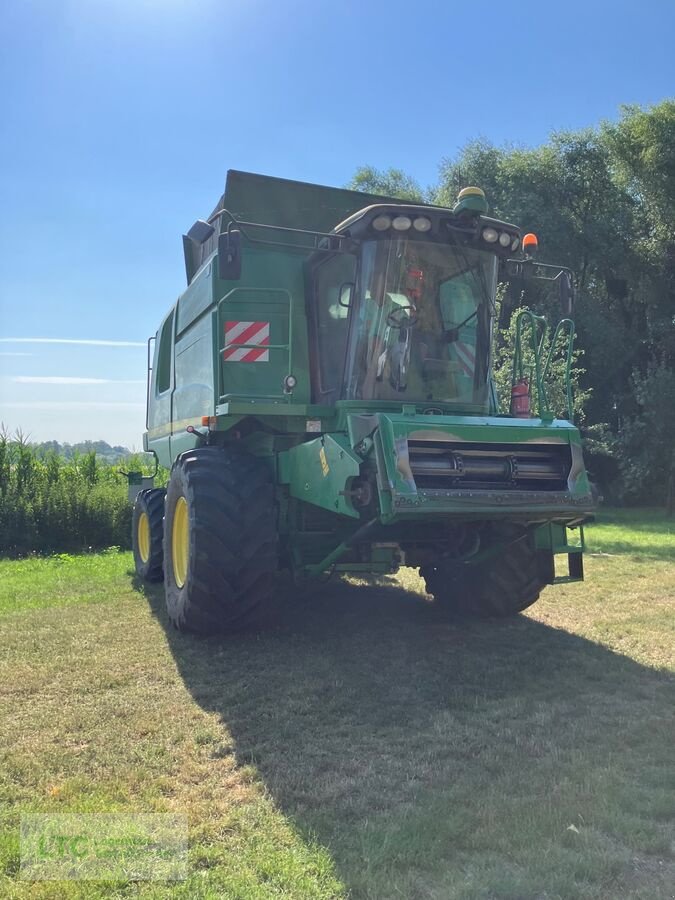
[[381, 223], [402, 223], [421, 223]]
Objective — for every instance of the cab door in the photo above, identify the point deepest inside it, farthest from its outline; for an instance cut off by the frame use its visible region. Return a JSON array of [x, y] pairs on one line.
[[160, 398], [333, 290]]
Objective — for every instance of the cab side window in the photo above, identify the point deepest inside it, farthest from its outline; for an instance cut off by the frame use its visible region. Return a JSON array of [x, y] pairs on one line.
[[334, 282], [163, 358]]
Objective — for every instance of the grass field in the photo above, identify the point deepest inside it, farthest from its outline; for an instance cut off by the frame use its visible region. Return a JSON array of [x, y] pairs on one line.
[[362, 747]]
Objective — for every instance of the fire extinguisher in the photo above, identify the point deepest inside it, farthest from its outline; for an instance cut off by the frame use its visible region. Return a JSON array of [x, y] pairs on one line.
[[520, 399]]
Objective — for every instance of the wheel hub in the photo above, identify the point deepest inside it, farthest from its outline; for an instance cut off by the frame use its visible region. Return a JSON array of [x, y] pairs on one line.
[[144, 537], [180, 542]]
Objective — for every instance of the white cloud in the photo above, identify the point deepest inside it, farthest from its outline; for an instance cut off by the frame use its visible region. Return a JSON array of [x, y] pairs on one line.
[[10, 353], [89, 343], [63, 379]]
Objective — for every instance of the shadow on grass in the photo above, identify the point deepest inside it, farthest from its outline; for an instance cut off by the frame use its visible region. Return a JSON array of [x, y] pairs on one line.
[[391, 736]]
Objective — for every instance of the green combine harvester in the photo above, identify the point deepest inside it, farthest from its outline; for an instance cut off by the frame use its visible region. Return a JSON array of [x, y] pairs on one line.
[[322, 392]]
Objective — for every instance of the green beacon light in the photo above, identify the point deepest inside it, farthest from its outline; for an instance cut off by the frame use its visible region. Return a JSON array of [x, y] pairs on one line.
[[471, 200]]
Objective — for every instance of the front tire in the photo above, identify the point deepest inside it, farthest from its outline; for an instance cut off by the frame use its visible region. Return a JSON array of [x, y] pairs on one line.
[[147, 532], [502, 586], [220, 540]]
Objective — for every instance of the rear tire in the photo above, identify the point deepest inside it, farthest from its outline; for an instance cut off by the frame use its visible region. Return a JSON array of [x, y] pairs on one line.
[[220, 540], [498, 587], [147, 533]]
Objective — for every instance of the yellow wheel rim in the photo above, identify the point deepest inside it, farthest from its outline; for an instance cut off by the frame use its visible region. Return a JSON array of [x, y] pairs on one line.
[[180, 542], [143, 537]]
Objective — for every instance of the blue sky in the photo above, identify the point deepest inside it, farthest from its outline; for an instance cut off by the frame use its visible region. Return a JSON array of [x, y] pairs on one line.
[[119, 119]]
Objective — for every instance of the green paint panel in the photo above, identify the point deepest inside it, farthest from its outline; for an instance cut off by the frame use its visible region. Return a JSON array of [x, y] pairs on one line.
[[319, 470], [557, 538], [402, 499], [272, 292], [492, 429], [196, 299]]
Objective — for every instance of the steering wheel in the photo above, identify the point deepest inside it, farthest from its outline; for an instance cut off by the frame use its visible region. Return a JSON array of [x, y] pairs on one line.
[[396, 319]]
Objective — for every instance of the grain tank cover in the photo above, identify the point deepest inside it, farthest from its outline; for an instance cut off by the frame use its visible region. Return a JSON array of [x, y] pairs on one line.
[[292, 204], [278, 201]]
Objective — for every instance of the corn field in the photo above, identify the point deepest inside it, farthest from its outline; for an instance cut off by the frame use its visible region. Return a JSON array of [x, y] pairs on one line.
[[49, 504]]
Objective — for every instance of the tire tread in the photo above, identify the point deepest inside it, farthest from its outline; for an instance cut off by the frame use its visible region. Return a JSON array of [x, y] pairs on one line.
[[233, 539], [506, 586]]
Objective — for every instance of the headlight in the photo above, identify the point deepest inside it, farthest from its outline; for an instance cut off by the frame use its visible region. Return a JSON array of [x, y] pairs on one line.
[[381, 223], [504, 239], [514, 245], [490, 235], [422, 224], [402, 223]]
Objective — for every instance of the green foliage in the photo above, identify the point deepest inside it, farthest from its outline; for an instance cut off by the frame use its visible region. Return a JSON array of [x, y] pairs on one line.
[[601, 454], [52, 504], [647, 437], [555, 385], [642, 148], [388, 182]]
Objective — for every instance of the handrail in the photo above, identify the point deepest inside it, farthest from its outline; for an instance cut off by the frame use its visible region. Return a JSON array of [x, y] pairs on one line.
[[519, 267], [285, 395], [562, 326], [335, 241], [543, 366], [537, 324], [149, 382]]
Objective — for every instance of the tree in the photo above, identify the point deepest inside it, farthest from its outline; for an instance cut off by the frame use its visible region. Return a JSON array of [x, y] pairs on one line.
[[388, 182], [642, 144], [648, 436]]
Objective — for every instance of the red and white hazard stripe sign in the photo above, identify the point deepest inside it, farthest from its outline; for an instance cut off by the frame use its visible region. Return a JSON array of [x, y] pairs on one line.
[[238, 333]]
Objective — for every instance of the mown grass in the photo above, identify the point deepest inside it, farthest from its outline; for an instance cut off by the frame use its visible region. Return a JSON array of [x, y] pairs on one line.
[[621, 531], [363, 746]]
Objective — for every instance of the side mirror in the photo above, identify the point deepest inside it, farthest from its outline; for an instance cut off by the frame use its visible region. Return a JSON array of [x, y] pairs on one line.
[[200, 232], [194, 250], [529, 268], [566, 294], [229, 255], [345, 294]]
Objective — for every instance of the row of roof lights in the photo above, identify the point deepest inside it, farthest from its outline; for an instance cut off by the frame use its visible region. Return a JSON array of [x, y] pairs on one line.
[[492, 236], [401, 223]]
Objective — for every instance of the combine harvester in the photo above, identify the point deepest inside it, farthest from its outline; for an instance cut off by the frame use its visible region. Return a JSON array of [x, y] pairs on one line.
[[322, 392]]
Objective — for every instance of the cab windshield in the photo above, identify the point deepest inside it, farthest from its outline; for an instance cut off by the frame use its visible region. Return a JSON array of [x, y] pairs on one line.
[[421, 321]]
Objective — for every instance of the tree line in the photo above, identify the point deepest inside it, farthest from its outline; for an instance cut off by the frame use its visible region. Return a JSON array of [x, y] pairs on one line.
[[601, 201]]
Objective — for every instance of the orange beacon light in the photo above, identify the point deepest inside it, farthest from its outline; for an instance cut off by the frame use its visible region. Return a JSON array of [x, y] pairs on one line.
[[530, 244]]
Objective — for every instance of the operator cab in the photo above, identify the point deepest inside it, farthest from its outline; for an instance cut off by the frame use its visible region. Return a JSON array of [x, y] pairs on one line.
[[404, 311]]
